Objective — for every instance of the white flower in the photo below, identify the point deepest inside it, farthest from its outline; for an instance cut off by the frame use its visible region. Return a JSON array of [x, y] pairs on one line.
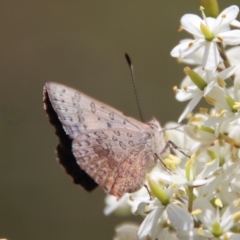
[[126, 231], [195, 196], [126, 204], [160, 219], [210, 81], [227, 108], [195, 172], [215, 223], [235, 23], [207, 33]]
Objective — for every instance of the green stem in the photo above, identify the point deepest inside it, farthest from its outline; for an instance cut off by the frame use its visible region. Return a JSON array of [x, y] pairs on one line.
[[224, 56], [190, 198]]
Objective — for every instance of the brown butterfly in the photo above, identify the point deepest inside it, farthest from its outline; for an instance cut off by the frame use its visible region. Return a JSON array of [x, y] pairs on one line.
[[98, 144]]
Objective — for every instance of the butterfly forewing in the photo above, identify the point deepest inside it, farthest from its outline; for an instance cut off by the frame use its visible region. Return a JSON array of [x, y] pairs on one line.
[[79, 112], [114, 150]]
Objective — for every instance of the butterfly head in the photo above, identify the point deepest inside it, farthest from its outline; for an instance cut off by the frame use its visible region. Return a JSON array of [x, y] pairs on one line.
[[155, 125], [157, 143]]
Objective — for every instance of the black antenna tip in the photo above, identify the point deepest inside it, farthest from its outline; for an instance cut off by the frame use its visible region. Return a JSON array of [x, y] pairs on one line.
[[128, 59]]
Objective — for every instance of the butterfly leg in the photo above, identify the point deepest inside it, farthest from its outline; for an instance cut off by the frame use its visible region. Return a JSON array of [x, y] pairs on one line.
[[173, 145]]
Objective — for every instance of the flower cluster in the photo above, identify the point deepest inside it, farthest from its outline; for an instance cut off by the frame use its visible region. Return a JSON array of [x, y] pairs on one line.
[[197, 194]]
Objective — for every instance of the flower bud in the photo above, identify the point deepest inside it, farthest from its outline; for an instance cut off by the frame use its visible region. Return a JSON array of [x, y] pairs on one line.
[[196, 78], [210, 8]]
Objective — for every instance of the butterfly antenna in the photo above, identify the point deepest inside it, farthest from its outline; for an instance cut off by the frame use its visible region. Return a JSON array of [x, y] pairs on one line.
[[134, 84]]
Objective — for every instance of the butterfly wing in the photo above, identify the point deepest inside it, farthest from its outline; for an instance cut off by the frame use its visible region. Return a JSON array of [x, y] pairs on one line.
[[116, 159], [72, 113], [78, 112], [64, 149]]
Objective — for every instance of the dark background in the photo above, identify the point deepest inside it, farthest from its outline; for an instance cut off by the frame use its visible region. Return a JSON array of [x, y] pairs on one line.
[[81, 44]]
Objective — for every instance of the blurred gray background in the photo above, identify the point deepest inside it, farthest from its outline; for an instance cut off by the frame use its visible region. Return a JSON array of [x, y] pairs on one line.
[[81, 44]]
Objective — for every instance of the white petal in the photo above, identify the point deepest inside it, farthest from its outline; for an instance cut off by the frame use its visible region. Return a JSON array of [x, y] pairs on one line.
[[234, 53], [179, 217], [227, 217], [191, 105], [211, 121], [163, 234], [201, 136], [194, 58], [201, 182], [184, 49], [126, 231], [208, 170], [231, 37], [211, 56], [230, 13], [208, 212], [148, 223], [235, 23], [190, 235], [209, 88], [208, 190], [233, 236], [226, 73], [210, 23], [191, 23], [183, 95], [219, 95], [112, 204]]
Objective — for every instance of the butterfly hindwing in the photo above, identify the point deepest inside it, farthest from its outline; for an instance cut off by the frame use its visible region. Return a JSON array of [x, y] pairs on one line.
[[116, 159]]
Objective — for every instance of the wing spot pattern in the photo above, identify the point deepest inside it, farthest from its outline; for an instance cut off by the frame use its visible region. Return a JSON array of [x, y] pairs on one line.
[[99, 141], [83, 152], [100, 134], [81, 119], [111, 116], [122, 145], [129, 134], [85, 159], [116, 132], [93, 107], [114, 138], [84, 143], [131, 143]]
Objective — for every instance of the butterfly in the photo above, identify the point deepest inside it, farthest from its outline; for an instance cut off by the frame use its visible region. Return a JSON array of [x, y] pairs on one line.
[[98, 145]]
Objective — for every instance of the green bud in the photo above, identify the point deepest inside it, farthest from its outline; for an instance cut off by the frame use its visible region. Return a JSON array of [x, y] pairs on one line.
[[210, 8], [216, 229], [230, 103], [158, 192], [206, 129], [196, 78], [212, 154], [206, 32]]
